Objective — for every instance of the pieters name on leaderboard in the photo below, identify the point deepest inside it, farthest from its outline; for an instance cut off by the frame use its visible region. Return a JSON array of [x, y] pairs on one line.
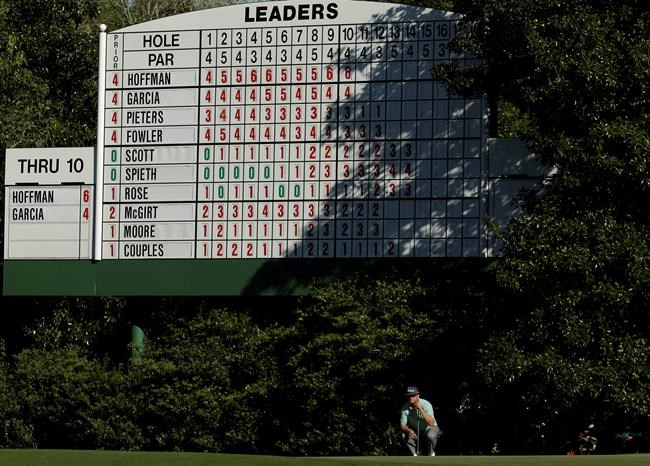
[[262, 13]]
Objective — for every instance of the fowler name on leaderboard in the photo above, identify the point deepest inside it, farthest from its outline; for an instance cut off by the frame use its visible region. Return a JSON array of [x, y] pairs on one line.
[[303, 12]]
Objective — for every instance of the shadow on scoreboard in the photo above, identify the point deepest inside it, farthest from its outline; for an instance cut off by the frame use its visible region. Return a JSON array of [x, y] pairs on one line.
[[409, 161]]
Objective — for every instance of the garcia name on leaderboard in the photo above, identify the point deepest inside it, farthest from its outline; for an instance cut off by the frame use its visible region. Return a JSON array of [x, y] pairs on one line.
[[32, 213]]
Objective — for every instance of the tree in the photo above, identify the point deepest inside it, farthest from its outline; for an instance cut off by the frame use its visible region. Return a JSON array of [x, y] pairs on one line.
[[122, 13], [203, 384], [571, 334], [48, 69], [62, 399], [351, 350]]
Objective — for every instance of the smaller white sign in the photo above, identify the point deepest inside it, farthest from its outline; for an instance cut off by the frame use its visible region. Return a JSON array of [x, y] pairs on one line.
[[49, 166], [48, 222]]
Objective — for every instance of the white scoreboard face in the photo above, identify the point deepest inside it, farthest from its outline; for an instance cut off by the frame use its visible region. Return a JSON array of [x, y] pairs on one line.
[[49, 196], [292, 129]]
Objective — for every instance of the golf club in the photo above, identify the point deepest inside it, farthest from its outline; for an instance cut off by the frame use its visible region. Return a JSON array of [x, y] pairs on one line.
[[417, 451]]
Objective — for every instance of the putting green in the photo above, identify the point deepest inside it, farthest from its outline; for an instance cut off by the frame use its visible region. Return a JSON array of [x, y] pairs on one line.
[[122, 458]]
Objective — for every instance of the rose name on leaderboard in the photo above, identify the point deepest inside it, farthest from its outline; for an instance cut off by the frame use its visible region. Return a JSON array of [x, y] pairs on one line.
[[299, 130]]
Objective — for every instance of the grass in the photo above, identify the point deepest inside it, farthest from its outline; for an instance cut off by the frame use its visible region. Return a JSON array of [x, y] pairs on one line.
[[120, 458]]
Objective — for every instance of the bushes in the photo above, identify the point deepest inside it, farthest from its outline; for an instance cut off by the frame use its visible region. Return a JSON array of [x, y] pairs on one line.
[[324, 381], [352, 350], [325, 378], [69, 401], [14, 433], [203, 386]]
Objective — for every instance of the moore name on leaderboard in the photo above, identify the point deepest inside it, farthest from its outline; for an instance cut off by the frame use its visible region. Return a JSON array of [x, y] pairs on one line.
[[304, 12], [139, 231]]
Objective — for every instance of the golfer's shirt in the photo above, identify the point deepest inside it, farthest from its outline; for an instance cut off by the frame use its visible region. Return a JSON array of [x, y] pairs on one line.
[[412, 417]]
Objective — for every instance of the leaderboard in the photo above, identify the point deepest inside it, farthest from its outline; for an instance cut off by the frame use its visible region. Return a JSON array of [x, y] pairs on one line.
[[49, 195], [290, 130]]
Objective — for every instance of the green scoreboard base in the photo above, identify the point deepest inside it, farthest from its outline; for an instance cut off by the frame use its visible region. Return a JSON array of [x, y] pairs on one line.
[[203, 278]]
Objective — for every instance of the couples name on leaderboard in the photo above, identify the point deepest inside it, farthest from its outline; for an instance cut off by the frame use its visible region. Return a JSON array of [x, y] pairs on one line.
[[289, 129]]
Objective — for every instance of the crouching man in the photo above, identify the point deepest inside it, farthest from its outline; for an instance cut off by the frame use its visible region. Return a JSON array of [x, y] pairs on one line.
[[418, 424]]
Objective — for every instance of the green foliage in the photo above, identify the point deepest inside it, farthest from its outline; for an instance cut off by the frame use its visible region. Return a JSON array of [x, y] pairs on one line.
[[20, 92], [66, 401], [93, 325], [80, 322], [327, 379], [570, 336], [561, 340], [437, 4], [580, 340], [47, 93], [121, 13], [352, 348], [13, 431], [204, 385], [579, 75]]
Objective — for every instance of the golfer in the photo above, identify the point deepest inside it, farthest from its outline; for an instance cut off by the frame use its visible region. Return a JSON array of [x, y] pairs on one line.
[[418, 423]]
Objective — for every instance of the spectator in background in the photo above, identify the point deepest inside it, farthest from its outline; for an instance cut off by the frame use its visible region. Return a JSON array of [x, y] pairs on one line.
[[463, 424], [464, 398]]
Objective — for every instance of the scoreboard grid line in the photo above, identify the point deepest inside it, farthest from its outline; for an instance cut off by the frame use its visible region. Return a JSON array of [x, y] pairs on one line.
[[198, 157]]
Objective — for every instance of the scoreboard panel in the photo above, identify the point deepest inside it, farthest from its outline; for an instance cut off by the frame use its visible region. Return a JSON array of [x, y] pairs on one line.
[[49, 196], [290, 130]]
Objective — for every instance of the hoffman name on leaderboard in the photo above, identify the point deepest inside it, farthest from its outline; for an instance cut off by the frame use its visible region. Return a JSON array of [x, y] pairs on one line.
[[32, 213]]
